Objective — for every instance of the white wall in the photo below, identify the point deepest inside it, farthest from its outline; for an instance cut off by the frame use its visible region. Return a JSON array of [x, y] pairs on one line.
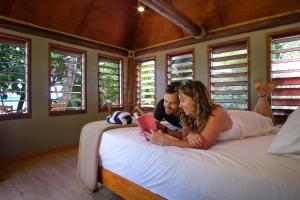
[[41, 132], [258, 62]]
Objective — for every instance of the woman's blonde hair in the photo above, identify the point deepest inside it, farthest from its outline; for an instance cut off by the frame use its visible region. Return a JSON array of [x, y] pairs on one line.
[[203, 105]]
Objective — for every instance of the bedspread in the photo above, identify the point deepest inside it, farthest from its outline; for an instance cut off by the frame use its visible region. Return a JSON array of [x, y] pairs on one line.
[[89, 143]]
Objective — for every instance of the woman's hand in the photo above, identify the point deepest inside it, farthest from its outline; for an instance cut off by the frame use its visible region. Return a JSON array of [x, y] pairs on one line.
[[196, 140], [156, 137]]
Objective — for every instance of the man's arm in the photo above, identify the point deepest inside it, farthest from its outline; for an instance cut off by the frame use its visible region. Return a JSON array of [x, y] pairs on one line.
[[173, 133]]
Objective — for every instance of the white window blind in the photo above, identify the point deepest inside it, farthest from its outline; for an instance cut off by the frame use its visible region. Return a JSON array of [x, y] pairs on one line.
[[145, 83], [14, 77], [67, 80], [110, 82], [180, 67], [228, 75], [285, 68]]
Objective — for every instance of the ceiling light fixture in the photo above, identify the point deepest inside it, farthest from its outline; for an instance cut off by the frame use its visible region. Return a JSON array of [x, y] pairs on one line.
[[141, 7]]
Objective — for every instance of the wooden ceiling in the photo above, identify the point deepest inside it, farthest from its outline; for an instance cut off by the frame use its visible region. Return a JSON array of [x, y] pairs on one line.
[[117, 22]]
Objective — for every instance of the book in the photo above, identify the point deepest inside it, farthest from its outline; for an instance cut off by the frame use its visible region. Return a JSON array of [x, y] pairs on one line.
[[146, 123]]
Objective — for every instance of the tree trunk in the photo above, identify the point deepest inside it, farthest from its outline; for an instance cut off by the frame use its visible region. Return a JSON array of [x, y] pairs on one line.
[[21, 103]]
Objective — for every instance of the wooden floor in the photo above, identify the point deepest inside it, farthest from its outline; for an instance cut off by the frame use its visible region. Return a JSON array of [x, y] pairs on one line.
[[48, 177]]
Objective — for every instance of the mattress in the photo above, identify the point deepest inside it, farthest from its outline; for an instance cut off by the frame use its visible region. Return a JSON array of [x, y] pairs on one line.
[[237, 169]]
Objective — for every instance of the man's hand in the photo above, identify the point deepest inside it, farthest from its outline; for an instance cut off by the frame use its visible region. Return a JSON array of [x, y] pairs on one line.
[[159, 125]]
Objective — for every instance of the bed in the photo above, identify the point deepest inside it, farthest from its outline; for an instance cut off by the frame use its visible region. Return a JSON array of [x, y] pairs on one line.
[[237, 169]]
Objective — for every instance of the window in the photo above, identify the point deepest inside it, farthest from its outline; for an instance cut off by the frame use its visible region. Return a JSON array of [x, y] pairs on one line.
[[284, 67], [110, 82], [145, 83], [180, 67], [67, 80], [15, 86], [228, 74]]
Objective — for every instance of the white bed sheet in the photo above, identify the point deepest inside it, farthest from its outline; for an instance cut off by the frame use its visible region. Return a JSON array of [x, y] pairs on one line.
[[239, 169]]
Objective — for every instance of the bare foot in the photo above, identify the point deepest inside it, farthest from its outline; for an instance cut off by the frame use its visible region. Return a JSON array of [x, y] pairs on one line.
[[270, 87], [260, 88]]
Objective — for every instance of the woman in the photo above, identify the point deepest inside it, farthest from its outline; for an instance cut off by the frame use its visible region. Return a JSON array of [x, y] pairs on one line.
[[205, 122]]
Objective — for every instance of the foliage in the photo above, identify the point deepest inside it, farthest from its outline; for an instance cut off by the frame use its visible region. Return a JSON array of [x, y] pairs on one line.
[[147, 90], [66, 79], [181, 70], [13, 72], [109, 82], [227, 78]]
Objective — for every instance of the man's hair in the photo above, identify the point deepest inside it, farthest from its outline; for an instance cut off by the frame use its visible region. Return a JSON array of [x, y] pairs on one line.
[[173, 87]]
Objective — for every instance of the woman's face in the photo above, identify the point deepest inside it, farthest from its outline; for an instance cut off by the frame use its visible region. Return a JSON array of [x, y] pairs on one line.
[[187, 104]]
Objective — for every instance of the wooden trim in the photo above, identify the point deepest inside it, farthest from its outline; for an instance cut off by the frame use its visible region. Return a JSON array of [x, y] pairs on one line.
[[240, 40], [130, 83], [124, 187], [28, 28], [236, 29], [177, 53], [145, 59], [114, 107], [27, 43], [284, 33], [249, 73], [52, 46], [13, 39], [38, 154]]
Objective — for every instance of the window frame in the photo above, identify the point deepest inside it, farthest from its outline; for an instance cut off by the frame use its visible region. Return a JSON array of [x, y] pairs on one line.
[[51, 47], [209, 47], [27, 43], [146, 109], [121, 75], [277, 34], [178, 53]]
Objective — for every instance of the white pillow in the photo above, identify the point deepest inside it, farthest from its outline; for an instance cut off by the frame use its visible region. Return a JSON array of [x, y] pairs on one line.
[[288, 138]]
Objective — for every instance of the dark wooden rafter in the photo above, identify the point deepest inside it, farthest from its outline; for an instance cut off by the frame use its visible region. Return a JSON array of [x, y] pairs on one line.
[[9, 8], [225, 32], [24, 28], [175, 16], [83, 21], [219, 11]]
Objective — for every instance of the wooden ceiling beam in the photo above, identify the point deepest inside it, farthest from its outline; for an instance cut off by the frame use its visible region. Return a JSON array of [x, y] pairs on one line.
[[219, 11], [171, 13], [59, 36], [246, 27], [83, 21], [8, 8]]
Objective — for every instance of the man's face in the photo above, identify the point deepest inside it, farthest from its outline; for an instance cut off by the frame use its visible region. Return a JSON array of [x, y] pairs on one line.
[[171, 103]]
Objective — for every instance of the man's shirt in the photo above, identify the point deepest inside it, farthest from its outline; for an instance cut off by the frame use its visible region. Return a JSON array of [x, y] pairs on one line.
[[160, 114]]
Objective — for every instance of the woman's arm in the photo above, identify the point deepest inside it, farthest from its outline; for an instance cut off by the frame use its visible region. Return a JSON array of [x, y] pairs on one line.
[[218, 122], [157, 137]]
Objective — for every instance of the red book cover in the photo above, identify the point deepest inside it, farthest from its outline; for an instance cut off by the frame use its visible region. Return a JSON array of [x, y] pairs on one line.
[[146, 124]]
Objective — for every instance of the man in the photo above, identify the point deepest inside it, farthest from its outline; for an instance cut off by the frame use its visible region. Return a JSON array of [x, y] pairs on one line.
[[168, 108]]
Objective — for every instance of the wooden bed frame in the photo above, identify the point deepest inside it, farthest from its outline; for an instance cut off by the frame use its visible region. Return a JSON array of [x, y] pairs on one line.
[[123, 187]]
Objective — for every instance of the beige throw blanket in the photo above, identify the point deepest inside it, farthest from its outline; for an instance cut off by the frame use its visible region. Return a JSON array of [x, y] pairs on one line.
[[88, 158]]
